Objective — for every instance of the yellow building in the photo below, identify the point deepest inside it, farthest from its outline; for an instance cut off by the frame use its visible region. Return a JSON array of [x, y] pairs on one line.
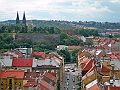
[[11, 79]]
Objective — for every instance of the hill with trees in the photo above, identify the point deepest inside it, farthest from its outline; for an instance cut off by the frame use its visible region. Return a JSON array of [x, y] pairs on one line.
[[66, 25]]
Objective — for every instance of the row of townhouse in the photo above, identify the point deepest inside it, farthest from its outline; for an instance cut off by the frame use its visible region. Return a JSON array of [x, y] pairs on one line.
[[40, 71], [100, 68], [19, 80]]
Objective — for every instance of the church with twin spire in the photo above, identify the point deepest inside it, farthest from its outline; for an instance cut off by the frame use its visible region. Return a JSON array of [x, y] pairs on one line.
[[19, 22]]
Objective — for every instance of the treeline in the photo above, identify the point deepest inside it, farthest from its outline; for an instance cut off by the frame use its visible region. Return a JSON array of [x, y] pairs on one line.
[[100, 25], [70, 40], [87, 32], [27, 29], [46, 30], [69, 56], [7, 43], [66, 25]]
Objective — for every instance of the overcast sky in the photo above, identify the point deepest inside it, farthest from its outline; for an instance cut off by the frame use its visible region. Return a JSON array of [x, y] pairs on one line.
[[71, 10]]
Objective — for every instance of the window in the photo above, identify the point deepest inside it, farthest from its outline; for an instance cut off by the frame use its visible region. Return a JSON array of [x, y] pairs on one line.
[[19, 84], [10, 87], [10, 84], [28, 70], [15, 83], [10, 81], [2, 83]]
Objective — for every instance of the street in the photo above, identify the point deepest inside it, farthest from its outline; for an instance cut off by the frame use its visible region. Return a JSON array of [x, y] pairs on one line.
[[70, 78]]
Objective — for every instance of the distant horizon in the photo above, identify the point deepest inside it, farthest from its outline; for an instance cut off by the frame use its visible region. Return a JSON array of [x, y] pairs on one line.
[[59, 20], [63, 10]]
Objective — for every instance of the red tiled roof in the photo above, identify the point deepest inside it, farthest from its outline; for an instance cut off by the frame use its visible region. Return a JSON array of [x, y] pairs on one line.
[[91, 69], [73, 47], [84, 61], [113, 57], [12, 73], [118, 57], [14, 53], [30, 83], [47, 85], [92, 85], [31, 75], [53, 73], [87, 66], [114, 88], [105, 69], [50, 76], [41, 54], [22, 62]]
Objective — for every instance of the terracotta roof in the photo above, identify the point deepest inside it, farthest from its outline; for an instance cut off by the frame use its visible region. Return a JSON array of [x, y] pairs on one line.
[[114, 88], [91, 69], [92, 86], [73, 47], [31, 75], [22, 62], [113, 57], [47, 85], [53, 73], [30, 83], [83, 62], [89, 73], [40, 54], [105, 69], [14, 53], [88, 65], [50, 76], [12, 73], [118, 57]]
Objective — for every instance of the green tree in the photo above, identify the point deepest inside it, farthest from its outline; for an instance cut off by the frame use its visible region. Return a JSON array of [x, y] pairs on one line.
[[74, 55], [65, 53]]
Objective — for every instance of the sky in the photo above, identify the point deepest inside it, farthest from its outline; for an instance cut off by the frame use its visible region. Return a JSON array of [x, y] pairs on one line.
[[70, 10]]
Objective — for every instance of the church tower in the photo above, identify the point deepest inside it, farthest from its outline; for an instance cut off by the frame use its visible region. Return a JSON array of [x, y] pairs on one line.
[[17, 19], [24, 19]]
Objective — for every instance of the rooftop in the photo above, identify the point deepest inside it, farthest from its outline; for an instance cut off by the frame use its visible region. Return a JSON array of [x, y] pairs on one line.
[[40, 54], [46, 62], [22, 62], [12, 73], [47, 85]]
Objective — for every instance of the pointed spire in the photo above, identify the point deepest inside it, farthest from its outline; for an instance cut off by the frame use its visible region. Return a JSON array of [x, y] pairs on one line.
[[17, 19], [24, 19]]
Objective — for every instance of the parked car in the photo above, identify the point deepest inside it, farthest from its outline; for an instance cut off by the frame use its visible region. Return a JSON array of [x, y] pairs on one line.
[[66, 70], [73, 79], [73, 87], [66, 87], [67, 83], [68, 77], [73, 70]]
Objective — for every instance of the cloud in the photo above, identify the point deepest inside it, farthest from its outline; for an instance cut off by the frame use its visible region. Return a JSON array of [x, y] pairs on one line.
[[58, 9], [84, 6], [115, 1]]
